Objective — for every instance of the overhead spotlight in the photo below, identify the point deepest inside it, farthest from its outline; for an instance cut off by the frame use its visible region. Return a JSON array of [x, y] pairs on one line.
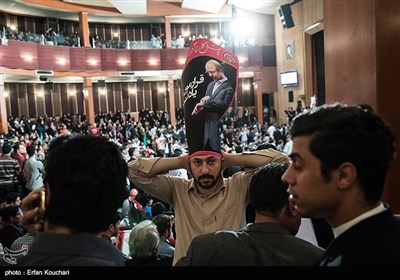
[[43, 78]]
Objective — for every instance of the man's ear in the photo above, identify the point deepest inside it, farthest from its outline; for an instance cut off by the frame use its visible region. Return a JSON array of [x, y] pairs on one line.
[[347, 175]]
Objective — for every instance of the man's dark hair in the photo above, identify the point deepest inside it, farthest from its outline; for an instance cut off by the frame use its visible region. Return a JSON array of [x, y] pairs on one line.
[[163, 223], [11, 197], [30, 150], [158, 208], [354, 134], [6, 148], [115, 219], [86, 176], [267, 190]]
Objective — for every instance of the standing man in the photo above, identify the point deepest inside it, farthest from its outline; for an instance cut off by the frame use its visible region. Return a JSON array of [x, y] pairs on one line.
[[33, 170], [208, 202], [269, 241], [9, 172], [340, 158], [216, 101]]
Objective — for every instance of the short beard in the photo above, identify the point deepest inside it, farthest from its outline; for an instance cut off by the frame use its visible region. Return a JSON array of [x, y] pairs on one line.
[[207, 186]]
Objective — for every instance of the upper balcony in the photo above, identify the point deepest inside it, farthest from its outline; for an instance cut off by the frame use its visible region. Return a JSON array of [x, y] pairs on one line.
[[21, 59]]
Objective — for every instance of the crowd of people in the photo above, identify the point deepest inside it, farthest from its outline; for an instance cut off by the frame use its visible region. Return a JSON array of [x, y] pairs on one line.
[[111, 175]]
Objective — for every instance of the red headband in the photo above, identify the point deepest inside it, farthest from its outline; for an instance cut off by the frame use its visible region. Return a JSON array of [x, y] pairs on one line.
[[205, 153]]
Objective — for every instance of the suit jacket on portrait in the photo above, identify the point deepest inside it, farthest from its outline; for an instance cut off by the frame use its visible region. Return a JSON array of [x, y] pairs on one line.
[[214, 109], [259, 244], [374, 241]]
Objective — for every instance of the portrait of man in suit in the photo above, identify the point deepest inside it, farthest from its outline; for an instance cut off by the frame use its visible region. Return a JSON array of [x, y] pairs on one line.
[[218, 97]]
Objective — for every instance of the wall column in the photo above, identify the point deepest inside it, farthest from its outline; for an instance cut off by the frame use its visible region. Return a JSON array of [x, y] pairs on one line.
[[258, 97], [88, 99], [84, 29], [168, 34], [3, 108], [171, 92]]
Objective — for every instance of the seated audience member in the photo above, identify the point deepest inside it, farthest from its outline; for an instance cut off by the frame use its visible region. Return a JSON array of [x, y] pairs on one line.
[[12, 228], [143, 246], [12, 199], [270, 241], [158, 208], [85, 180], [111, 230], [341, 155], [164, 227]]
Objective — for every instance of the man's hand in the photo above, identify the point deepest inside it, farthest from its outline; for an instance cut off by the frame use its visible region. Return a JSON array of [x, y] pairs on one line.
[[32, 219], [198, 108]]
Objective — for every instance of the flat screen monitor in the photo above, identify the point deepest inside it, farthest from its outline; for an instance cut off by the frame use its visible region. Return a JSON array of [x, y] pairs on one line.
[[289, 78]]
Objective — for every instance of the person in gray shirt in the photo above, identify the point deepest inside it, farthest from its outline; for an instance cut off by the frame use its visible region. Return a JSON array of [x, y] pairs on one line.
[[33, 170]]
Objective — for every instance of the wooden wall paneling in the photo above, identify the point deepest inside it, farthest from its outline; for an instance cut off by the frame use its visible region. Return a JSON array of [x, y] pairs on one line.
[[388, 84], [8, 100], [147, 95], [133, 97], [110, 97], [350, 45], [239, 94], [115, 30], [64, 101], [103, 95], [79, 98], [40, 26], [73, 106], [49, 97], [178, 94], [40, 106], [158, 95], [3, 19], [31, 88], [118, 97], [30, 25], [13, 96], [56, 103], [145, 31], [22, 100], [137, 34], [108, 32], [20, 25], [96, 101], [125, 97], [123, 32]]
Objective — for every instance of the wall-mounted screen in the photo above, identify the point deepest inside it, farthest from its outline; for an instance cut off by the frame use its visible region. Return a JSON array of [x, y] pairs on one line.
[[289, 78]]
